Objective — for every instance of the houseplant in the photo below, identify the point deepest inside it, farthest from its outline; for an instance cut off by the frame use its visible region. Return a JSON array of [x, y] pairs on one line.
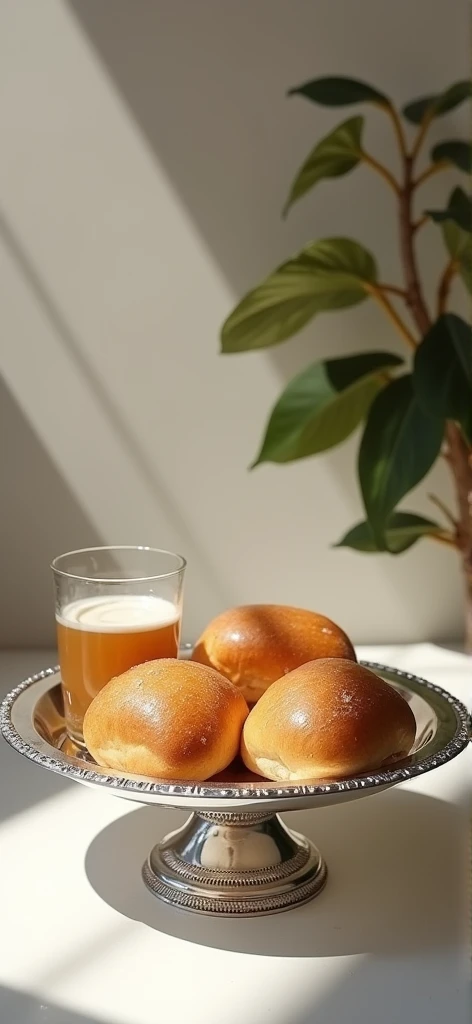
[[412, 411]]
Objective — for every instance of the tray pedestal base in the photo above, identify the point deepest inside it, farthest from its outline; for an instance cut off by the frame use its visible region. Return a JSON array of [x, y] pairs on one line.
[[230, 864]]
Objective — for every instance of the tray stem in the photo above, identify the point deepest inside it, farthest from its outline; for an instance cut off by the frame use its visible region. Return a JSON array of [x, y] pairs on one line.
[[235, 864]]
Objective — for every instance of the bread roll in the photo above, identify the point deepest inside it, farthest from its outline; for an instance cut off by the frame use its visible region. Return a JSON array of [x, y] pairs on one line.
[[329, 719], [255, 644], [167, 719]]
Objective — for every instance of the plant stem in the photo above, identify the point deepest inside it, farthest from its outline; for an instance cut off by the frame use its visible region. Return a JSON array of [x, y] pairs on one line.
[[458, 453], [386, 305], [468, 613], [398, 129], [392, 288], [459, 457], [450, 270], [421, 134], [444, 509], [420, 222], [383, 171], [443, 538], [430, 171], [415, 298]]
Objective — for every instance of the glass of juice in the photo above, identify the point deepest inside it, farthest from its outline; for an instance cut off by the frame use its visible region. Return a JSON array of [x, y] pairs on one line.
[[115, 607]]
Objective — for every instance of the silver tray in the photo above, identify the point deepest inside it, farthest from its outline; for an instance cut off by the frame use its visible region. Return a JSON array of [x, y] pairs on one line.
[[234, 856]]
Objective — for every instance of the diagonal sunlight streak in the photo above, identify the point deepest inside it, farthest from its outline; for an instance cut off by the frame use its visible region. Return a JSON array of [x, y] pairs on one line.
[[55, 959]]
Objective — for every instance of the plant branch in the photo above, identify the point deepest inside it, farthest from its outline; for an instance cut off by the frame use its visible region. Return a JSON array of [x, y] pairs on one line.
[[398, 129], [383, 171], [445, 282], [443, 538], [392, 288], [386, 305], [417, 224], [444, 509], [421, 134], [458, 455], [430, 171], [415, 298]]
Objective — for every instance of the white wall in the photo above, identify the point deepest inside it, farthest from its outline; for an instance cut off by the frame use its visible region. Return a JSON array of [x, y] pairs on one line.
[[147, 148]]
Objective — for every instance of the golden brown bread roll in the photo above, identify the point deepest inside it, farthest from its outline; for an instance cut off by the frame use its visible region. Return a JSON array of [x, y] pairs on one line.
[[329, 719], [167, 719], [255, 644]]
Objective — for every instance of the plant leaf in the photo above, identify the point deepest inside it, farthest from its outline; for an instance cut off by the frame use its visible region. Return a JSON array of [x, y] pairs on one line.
[[332, 91], [443, 372], [330, 274], [456, 224], [336, 154], [459, 209], [398, 447], [416, 110], [439, 103], [459, 246], [454, 152], [403, 530], [323, 405]]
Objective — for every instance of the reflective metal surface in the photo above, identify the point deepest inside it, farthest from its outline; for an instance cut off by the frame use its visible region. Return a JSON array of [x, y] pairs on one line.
[[235, 864], [234, 856]]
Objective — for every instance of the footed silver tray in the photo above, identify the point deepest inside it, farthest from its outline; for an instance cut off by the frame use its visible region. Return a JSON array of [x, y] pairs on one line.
[[234, 855]]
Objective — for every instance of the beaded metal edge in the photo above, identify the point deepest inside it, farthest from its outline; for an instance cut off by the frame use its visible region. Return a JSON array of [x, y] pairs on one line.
[[251, 905], [235, 878], [250, 791]]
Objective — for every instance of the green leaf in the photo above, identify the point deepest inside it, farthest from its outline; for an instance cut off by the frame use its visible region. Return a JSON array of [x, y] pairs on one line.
[[440, 103], [443, 372], [335, 155], [398, 447], [323, 405], [459, 209], [459, 246], [416, 110], [330, 274], [403, 530], [339, 92], [454, 152], [456, 224], [453, 97]]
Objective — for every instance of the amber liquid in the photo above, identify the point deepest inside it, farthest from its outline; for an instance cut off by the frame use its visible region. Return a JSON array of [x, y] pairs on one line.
[[90, 657]]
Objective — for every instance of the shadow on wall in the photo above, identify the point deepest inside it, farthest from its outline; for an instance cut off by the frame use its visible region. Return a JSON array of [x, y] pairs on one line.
[[206, 85], [160, 496], [32, 487], [203, 82]]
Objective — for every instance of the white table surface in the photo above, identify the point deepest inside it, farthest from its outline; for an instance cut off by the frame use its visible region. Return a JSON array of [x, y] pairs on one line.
[[82, 942]]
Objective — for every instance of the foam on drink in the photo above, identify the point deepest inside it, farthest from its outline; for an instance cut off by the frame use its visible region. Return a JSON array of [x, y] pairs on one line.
[[101, 637], [119, 614]]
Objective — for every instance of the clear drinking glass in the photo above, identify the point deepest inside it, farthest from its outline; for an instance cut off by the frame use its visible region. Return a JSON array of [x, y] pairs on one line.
[[115, 607]]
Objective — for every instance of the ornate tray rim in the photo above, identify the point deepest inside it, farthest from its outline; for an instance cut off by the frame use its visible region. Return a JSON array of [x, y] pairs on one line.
[[136, 785]]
